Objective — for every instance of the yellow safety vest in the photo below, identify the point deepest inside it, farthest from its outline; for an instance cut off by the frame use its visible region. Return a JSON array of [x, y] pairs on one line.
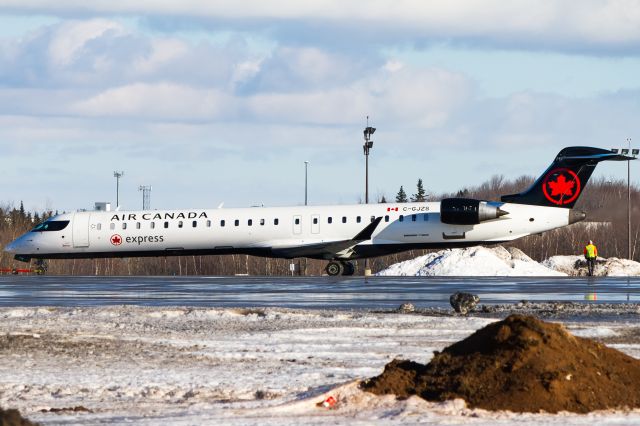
[[591, 250]]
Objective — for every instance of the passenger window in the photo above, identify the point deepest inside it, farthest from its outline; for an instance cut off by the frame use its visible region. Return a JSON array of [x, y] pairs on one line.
[[208, 224], [386, 218], [373, 218], [315, 220], [180, 224], [236, 222], [329, 219], [414, 217], [358, 219], [138, 225], [112, 226], [250, 222], [124, 225], [275, 221], [401, 218], [166, 225], [194, 223], [152, 225], [262, 222], [222, 223], [99, 226], [297, 221], [344, 219]]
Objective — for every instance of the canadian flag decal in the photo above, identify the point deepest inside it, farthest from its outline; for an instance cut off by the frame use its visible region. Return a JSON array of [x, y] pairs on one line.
[[392, 209]]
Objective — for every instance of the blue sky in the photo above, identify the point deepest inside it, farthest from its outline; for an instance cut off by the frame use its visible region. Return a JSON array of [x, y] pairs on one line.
[[223, 101]]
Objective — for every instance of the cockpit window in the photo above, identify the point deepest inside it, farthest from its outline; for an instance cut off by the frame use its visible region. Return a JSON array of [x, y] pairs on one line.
[[51, 225]]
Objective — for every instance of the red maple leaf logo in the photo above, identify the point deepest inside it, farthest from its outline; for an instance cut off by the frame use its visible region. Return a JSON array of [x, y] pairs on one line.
[[562, 186], [116, 240], [565, 189]]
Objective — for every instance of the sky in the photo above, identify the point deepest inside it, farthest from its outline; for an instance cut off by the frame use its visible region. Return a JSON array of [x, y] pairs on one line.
[[222, 101]]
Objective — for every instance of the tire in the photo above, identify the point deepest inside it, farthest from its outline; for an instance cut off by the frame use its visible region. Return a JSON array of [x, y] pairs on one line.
[[349, 268], [334, 269]]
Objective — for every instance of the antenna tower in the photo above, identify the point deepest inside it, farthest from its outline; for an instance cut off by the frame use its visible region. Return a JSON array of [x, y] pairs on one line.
[[146, 196]]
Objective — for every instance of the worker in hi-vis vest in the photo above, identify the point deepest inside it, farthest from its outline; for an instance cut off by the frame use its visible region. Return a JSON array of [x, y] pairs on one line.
[[590, 253]]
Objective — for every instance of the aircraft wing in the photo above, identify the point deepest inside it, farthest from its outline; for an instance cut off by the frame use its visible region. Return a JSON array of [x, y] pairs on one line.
[[329, 249]]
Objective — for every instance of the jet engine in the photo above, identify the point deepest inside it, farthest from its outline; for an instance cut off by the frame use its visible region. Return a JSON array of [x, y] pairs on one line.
[[467, 211]]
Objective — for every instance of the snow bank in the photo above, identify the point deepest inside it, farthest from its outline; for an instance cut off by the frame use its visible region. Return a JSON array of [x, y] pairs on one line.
[[576, 266], [473, 261], [500, 261]]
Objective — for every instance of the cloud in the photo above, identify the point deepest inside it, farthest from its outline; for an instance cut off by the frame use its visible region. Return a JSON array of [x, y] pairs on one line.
[[100, 68], [71, 37], [157, 102], [99, 53], [596, 26]]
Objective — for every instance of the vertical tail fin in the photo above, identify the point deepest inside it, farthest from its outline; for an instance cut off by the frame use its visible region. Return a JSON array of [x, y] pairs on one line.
[[563, 182]]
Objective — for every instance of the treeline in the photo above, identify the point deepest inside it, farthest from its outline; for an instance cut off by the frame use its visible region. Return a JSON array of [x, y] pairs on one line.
[[605, 202]]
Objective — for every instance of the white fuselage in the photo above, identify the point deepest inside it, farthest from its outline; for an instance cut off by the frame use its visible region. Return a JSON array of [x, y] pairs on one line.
[[270, 231]]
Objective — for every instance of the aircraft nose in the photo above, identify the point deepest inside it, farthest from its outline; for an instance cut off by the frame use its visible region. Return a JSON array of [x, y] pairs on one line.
[[11, 247]]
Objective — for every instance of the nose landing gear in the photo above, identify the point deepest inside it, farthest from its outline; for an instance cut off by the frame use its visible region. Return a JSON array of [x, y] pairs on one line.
[[340, 268]]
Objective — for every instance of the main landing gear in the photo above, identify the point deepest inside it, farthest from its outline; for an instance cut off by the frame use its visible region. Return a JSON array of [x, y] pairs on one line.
[[340, 268]]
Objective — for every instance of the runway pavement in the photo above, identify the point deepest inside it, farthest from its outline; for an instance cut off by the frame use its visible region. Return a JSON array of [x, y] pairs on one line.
[[306, 292]]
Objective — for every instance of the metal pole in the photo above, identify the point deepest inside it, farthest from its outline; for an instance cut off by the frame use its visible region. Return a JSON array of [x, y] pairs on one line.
[[118, 175], [366, 179], [366, 196], [306, 163], [629, 203], [368, 144]]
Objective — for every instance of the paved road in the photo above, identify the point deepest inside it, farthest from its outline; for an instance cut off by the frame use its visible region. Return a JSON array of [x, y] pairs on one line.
[[308, 292]]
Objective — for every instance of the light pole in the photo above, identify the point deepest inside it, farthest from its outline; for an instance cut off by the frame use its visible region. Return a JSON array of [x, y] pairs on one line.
[[368, 144], [630, 154], [306, 164], [629, 202], [118, 175]]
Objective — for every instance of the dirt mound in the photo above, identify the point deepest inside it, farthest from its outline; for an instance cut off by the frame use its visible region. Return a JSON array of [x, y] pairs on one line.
[[13, 418], [520, 364]]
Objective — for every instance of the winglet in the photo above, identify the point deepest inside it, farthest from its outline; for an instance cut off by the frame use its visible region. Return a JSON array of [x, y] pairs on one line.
[[366, 233]]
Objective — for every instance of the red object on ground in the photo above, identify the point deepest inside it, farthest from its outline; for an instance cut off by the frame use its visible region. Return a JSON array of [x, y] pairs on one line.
[[329, 402], [15, 271]]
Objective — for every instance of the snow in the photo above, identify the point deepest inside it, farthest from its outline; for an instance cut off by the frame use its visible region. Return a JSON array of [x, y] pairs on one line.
[[473, 261], [270, 366], [501, 261], [611, 267]]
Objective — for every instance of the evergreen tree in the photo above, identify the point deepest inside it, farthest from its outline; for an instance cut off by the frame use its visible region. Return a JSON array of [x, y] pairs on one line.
[[420, 195], [383, 200], [401, 197], [22, 213], [462, 193]]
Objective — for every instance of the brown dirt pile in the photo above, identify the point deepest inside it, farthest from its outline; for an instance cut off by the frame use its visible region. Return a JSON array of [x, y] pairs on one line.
[[13, 418], [520, 364]]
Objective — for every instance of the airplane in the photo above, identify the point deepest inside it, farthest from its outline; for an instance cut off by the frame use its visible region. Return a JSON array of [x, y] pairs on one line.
[[336, 233]]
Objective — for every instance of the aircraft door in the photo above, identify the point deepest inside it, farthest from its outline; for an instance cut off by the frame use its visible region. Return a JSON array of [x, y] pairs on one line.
[[315, 223], [81, 229], [297, 224]]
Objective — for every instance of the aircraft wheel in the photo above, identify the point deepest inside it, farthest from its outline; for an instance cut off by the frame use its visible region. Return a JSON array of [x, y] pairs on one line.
[[334, 268], [349, 268]]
